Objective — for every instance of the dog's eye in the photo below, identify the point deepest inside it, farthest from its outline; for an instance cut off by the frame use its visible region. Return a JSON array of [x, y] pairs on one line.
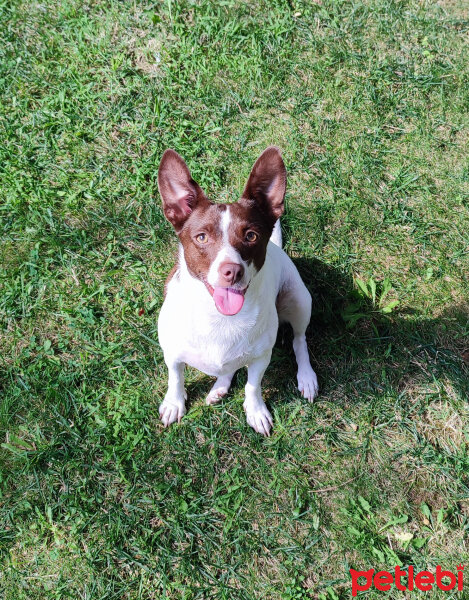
[[202, 238], [251, 236]]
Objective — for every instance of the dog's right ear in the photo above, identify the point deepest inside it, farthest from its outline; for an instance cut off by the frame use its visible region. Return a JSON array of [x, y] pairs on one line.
[[179, 192]]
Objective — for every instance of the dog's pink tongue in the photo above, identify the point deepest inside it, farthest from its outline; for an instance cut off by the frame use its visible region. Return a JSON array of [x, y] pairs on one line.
[[228, 301]]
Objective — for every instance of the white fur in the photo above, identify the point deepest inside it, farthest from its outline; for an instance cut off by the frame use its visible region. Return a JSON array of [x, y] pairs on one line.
[[276, 236], [229, 254], [192, 331]]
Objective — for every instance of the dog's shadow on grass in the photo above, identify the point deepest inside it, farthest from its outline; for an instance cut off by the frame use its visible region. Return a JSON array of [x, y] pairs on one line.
[[359, 349], [375, 354]]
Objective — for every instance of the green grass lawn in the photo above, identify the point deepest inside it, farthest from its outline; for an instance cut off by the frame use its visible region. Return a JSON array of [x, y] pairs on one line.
[[369, 102]]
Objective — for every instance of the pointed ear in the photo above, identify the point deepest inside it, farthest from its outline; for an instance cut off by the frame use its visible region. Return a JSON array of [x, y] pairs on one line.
[[267, 182], [179, 192]]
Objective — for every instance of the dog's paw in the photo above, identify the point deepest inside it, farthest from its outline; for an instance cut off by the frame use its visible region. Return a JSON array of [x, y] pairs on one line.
[[216, 394], [308, 384], [219, 389], [171, 410], [260, 419]]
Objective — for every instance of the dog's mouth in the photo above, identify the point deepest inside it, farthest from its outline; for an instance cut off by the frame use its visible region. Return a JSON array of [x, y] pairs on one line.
[[229, 301]]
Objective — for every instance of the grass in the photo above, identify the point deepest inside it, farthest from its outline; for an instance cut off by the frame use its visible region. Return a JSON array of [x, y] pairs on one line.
[[369, 102]]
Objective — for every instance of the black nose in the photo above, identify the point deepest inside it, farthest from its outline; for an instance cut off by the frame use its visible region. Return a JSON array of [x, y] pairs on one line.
[[230, 273]]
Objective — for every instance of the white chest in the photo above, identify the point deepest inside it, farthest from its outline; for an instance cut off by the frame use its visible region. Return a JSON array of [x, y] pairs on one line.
[[215, 344], [191, 330]]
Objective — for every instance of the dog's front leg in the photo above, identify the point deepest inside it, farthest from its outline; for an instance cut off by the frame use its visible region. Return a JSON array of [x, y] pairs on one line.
[[173, 407], [257, 413]]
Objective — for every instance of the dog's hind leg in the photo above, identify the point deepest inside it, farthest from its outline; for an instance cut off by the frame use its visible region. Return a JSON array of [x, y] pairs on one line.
[[294, 306], [220, 389]]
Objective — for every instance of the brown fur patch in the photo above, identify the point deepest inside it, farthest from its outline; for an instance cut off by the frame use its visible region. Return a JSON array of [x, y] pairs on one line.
[[199, 256], [246, 216]]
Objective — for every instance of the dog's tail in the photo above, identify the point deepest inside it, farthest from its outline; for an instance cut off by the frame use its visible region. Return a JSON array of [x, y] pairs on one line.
[[276, 236]]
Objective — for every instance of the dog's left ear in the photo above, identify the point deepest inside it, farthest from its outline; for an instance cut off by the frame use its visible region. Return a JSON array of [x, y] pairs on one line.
[[267, 182]]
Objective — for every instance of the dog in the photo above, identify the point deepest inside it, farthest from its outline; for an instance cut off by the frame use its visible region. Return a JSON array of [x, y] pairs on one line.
[[231, 287]]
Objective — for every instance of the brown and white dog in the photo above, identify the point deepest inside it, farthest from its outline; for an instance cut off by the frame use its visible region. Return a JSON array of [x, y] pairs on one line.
[[231, 287]]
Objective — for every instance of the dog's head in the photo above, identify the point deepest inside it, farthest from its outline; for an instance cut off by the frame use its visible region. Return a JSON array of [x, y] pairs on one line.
[[224, 244]]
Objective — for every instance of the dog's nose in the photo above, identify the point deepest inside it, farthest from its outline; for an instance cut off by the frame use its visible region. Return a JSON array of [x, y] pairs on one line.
[[230, 273]]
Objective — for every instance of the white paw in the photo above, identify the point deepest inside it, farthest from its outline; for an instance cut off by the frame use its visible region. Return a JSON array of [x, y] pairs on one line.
[[308, 383], [259, 418], [172, 410], [216, 394]]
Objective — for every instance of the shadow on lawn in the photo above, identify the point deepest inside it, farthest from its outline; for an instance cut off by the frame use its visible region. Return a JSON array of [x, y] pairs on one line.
[[378, 351], [394, 352]]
